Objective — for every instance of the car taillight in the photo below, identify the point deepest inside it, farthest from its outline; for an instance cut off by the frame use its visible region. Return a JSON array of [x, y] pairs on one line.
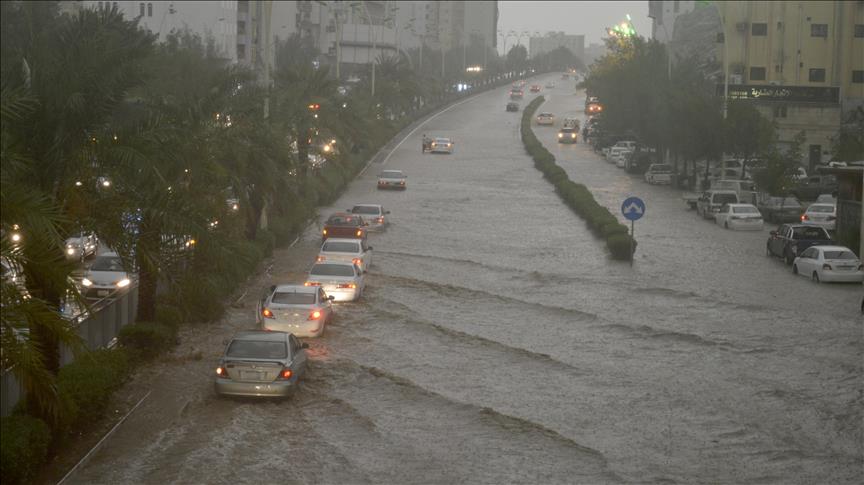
[[402, 183], [222, 372], [380, 220], [311, 283], [320, 258], [285, 374], [359, 232], [827, 266], [324, 232], [804, 217], [357, 261], [346, 285], [267, 313], [315, 315]]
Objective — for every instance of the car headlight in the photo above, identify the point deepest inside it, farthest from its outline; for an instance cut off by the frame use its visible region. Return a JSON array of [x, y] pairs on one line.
[[123, 283], [86, 282], [560, 135], [70, 250]]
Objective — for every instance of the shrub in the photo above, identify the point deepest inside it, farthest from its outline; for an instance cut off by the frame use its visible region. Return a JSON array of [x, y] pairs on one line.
[[86, 384], [145, 340], [170, 315], [619, 246], [24, 442]]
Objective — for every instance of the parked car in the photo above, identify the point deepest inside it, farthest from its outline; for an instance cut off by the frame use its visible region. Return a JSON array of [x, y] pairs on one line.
[[829, 263], [344, 281], [261, 363], [545, 119], [106, 275], [810, 187], [347, 251], [712, 200], [342, 224], [824, 215], [511, 106], [81, 246], [301, 310], [790, 240], [567, 135], [374, 214], [739, 216], [745, 189], [392, 179], [826, 199], [780, 209], [659, 173], [442, 145]]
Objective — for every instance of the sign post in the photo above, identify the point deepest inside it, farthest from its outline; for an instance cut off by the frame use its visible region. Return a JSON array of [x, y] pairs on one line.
[[633, 208]]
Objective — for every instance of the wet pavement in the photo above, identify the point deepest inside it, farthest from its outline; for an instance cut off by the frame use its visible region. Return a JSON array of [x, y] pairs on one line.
[[498, 343]]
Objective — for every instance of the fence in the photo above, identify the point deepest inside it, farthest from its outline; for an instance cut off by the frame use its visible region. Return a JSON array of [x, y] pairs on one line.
[[98, 328]]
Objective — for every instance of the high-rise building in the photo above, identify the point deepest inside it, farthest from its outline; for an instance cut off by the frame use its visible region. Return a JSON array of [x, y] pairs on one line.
[[554, 40], [663, 14], [800, 62]]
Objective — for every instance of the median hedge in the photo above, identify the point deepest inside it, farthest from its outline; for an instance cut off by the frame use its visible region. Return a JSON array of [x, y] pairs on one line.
[[576, 196]]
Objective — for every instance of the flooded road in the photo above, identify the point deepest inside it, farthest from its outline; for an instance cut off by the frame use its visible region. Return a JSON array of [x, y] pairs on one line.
[[498, 343]]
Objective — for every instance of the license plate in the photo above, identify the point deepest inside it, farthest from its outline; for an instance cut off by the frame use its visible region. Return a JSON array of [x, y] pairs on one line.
[[252, 376], [102, 293], [845, 268]]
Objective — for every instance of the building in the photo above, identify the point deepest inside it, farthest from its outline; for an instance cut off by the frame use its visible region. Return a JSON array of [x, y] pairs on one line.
[[800, 62], [554, 40], [850, 217], [593, 52], [452, 23], [663, 14]]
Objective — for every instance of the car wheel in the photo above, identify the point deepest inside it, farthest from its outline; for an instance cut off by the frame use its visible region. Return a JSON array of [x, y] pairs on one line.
[[794, 269], [726, 225], [815, 277]]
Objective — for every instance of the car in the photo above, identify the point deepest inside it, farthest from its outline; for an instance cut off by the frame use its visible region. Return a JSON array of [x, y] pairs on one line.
[[545, 119], [302, 310], [826, 199], [392, 179], [535, 88], [261, 364], [790, 240], [739, 216], [442, 145], [568, 135], [374, 214], [571, 122], [593, 106], [550, 85], [517, 94], [106, 275], [342, 280], [829, 264], [780, 209], [511, 106], [622, 158], [659, 173], [81, 246], [346, 250], [343, 224], [616, 154], [712, 200], [824, 215], [811, 187]]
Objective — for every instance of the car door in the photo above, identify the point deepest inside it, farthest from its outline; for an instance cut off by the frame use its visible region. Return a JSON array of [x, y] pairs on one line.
[[809, 261], [325, 304], [298, 356], [722, 217], [775, 244], [366, 254], [361, 279]]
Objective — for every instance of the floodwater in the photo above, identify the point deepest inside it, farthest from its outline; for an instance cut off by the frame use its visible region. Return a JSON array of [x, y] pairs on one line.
[[498, 343]]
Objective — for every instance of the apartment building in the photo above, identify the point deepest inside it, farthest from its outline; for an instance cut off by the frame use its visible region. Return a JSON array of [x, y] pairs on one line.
[[663, 14], [801, 63], [554, 40], [452, 23]]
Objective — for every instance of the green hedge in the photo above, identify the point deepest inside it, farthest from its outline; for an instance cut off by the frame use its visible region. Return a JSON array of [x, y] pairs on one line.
[[145, 340], [24, 442], [86, 385], [576, 196]]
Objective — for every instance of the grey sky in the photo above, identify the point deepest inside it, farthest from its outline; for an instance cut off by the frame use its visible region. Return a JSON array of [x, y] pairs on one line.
[[587, 18]]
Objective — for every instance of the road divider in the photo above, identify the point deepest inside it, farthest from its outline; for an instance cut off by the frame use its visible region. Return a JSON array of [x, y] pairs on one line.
[[576, 196]]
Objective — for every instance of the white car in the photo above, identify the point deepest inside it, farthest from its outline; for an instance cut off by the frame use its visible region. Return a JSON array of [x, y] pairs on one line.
[[547, 119], [392, 179], [81, 246], [346, 251], [374, 214], [106, 275], [829, 263], [343, 281], [739, 216], [659, 173], [301, 310], [441, 145], [824, 215]]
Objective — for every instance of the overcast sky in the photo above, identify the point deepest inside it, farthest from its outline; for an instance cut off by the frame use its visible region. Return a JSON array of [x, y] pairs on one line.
[[587, 18]]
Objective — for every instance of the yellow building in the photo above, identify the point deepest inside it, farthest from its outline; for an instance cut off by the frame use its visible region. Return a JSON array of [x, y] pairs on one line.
[[801, 62]]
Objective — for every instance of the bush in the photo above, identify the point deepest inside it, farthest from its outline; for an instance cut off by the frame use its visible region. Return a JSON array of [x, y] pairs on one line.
[[86, 384], [619, 246], [24, 444], [170, 315], [145, 340]]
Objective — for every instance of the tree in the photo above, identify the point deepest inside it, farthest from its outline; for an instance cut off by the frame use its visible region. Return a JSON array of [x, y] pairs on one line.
[[517, 57], [848, 144], [776, 175], [746, 133]]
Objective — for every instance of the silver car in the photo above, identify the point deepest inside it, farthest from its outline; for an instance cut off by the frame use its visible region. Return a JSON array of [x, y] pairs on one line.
[[346, 250], [342, 280], [302, 310], [374, 214], [392, 179], [442, 145], [259, 363], [81, 246], [106, 275]]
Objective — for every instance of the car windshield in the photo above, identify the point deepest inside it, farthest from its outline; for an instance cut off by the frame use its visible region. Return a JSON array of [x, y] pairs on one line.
[[821, 208], [544, 115], [807, 233], [725, 198], [341, 247], [257, 349], [661, 168], [343, 221], [109, 263], [391, 174], [841, 254], [332, 270], [442, 140], [745, 210], [293, 298], [566, 130], [366, 209]]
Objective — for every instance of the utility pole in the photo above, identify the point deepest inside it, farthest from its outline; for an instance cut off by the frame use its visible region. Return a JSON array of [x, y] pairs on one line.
[[374, 45]]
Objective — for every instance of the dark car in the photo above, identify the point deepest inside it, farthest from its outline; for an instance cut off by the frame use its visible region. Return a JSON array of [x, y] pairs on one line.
[[814, 186], [780, 209], [342, 224], [516, 94], [568, 135], [512, 106], [789, 240]]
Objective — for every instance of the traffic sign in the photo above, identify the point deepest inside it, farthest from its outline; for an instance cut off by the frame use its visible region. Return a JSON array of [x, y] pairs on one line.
[[633, 208]]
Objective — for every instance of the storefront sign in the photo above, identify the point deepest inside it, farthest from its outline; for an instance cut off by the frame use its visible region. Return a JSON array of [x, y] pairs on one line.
[[789, 94]]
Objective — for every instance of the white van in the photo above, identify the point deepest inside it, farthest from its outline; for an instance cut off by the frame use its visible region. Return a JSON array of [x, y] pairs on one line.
[[745, 189]]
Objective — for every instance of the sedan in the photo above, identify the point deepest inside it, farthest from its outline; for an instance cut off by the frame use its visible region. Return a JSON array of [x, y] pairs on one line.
[[392, 179], [824, 215], [374, 214], [545, 119], [344, 281], [567, 135], [739, 216], [535, 88], [829, 263], [442, 145], [301, 310], [261, 363], [511, 106], [347, 251], [79, 247], [106, 275]]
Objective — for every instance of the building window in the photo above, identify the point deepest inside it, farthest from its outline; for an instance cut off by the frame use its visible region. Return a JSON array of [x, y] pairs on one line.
[[757, 73], [817, 75], [759, 29], [780, 111], [149, 9], [241, 51], [241, 27], [858, 77], [819, 30], [141, 9], [859, 31]]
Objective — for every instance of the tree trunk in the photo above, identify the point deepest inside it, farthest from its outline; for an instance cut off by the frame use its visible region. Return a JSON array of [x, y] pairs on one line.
[[148, 249]]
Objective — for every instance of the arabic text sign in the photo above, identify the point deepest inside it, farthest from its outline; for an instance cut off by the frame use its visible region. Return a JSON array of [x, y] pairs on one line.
[[794, 94]]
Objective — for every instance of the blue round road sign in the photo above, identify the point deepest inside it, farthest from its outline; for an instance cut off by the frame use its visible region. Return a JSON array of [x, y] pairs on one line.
[[633, 208]]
